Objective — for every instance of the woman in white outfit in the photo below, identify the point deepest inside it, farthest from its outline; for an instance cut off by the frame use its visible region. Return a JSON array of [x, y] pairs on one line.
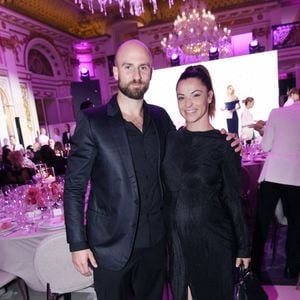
[[247, 132]]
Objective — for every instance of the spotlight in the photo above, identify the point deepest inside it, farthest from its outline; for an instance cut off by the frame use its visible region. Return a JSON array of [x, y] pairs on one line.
[[213, 53], [175, 60], [255, 47], [84, 74]]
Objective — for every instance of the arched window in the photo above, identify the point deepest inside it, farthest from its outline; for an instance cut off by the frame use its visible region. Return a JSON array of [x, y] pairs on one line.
[[38, 63]]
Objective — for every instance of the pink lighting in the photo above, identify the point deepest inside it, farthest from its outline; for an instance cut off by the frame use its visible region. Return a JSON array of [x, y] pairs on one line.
[[213, 53], [85, 57], [174, 56], [254, 43], [84, 74], [84, 71], [255, 47]]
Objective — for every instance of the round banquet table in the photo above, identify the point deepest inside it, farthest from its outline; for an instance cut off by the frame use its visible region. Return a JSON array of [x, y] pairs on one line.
[[17, 252]]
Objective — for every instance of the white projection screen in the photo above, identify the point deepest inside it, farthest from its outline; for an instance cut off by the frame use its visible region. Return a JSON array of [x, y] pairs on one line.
[[253, 75]]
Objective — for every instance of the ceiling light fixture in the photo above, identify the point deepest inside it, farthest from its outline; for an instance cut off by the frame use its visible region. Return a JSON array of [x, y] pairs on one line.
[[195, 32], [213, 53], [136, 7]]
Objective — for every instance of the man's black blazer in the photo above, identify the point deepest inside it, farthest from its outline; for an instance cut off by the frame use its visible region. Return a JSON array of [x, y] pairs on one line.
[[65, 138], [100, 152]]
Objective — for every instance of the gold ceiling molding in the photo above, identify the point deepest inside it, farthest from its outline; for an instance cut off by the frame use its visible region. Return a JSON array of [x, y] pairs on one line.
[[65, 16]]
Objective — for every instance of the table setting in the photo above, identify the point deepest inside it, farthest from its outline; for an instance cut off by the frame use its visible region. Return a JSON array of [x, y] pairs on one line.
[[29, 214], [253, 153], [7, 226], [32, 208]]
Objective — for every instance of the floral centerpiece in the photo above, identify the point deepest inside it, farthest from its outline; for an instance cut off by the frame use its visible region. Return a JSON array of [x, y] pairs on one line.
[[34, 197], [41, 193]]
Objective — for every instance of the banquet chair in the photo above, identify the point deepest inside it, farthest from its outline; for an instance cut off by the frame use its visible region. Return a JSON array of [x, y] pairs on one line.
[[54, 268], [7, 279]]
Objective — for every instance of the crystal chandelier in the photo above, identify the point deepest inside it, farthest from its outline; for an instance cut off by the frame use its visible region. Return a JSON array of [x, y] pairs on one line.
[[136, 7], [195, 32]]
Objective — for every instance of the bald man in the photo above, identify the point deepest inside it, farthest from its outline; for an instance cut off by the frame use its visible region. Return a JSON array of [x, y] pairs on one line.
[[119, 147]]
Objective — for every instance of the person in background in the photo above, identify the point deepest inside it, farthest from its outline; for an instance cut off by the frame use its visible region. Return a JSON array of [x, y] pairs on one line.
[[279, 179], [28, 158], [260, 125], [232, 104], [294, 94], [66, 137], [51, 143], [43, 138], [36, 151], [247, 132], [6, 164], [201, 172], [29, 152], [48, 157], [14, 145], [56, 135], [59, 149], [119, 147], [17, 173]]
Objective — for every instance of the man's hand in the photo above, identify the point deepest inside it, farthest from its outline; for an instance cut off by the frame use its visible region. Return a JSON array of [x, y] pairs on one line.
[[236, 143], [81, 260]]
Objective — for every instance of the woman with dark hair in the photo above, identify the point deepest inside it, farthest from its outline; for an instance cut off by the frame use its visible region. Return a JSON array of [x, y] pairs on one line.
[[59, 149], [206, 225], [17, 172]]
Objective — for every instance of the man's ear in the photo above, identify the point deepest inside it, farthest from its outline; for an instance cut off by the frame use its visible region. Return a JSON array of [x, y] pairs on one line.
[[116, 73]]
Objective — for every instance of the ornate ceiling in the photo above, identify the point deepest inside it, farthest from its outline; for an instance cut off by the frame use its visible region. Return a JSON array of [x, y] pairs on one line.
[[68, 17]]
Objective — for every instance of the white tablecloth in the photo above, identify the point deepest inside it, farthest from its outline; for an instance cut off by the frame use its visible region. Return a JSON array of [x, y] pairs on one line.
[[17, 255]]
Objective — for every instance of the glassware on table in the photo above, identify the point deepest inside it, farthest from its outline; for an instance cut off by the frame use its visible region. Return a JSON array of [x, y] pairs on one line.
[[48, 175], [40, 171]]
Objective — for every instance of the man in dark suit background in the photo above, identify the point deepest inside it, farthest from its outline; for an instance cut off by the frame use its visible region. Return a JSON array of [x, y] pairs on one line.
[[119, 147], [66, 137]]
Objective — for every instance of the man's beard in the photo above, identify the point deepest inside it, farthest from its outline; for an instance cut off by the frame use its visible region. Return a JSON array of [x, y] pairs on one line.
[[136, 93]]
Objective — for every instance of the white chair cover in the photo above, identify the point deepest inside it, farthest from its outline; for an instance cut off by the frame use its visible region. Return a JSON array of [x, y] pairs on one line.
[[6, 278], [53, 265]]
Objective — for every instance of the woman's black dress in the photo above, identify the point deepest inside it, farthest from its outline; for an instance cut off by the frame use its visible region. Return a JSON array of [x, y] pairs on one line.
[[206, 225], [233, 122]]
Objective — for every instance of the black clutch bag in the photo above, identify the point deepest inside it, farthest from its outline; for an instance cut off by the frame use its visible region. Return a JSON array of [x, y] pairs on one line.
[[248, 286]]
